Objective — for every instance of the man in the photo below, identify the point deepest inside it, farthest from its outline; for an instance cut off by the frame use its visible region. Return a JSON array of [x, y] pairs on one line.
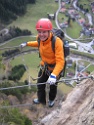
[[51, 62]]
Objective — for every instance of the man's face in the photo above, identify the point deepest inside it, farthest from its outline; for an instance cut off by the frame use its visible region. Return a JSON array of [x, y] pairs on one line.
[[43, 35]]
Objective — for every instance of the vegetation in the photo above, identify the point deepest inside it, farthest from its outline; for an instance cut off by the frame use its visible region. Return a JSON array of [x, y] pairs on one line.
[[35, 12], [31, 61], [18, 92], [9, 53], [85, 5], [91, 56], [17, 72], [11, 9], [13, 32], [10, 116], [0, 61], [74, 32]]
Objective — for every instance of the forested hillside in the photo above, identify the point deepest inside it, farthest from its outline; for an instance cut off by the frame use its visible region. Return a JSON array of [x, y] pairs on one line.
[[10, 9]]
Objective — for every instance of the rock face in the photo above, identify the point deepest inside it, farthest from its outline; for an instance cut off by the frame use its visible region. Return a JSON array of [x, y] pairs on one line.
[[77, 109]]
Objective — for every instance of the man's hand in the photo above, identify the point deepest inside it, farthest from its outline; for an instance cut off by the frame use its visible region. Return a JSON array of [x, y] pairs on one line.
[[52, 79], [23, 44]]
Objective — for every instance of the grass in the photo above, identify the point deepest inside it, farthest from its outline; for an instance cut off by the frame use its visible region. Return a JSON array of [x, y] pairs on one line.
[[86, 4], [83, 54], [73, 30], [90, 68], [16, 42], [31, 61], [65, 88], [35, 12], [85, 63]]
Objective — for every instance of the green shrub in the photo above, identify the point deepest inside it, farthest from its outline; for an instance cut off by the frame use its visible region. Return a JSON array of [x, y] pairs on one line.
[[17, 72], [13, 116]]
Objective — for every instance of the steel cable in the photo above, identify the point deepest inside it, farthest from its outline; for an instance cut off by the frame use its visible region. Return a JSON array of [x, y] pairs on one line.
[[9, 47], [59, 81]]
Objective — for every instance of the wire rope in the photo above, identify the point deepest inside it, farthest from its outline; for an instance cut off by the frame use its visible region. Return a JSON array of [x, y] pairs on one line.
[[9, 47], [15, 106], [59, 81]]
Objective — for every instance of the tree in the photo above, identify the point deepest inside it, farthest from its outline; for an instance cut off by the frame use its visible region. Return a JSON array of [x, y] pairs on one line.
[[69, 20], [10, 9]]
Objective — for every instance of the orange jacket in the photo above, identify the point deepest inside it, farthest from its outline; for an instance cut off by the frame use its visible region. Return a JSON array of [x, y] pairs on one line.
[[47, 54]]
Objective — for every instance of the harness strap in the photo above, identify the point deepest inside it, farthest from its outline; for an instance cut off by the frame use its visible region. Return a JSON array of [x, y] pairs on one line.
[[51, 65], [45, 68]]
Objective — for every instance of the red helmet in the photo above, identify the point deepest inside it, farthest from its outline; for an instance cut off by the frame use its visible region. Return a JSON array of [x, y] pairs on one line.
[[44, 24]]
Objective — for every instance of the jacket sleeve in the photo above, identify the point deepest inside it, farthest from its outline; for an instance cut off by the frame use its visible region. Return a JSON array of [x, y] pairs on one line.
[[32, 43], [59, 57]]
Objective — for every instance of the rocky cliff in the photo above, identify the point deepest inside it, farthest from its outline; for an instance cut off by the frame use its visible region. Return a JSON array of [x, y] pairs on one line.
[[77, 109]]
